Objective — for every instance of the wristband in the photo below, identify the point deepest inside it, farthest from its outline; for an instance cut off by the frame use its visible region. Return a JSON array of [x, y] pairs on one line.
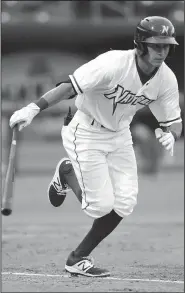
[[42, 104]]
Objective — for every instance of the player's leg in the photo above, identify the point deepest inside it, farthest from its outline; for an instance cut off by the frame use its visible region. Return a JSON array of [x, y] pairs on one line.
[[93, 175], [123, 172], [72, 182], [64, 180], [100, 229], [78, 261]]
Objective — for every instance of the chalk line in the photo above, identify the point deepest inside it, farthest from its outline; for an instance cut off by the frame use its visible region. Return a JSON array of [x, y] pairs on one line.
[[103, 278]]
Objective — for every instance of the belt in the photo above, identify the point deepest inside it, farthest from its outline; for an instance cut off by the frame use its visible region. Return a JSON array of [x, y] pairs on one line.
[[92, 123], [81, 116]]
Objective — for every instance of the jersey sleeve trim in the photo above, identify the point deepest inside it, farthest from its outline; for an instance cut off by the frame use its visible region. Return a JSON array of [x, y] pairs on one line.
[[169, 122], [67, 81], [75, 84]]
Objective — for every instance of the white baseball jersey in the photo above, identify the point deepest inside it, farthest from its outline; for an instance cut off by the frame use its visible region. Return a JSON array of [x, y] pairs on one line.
[[110, 90]]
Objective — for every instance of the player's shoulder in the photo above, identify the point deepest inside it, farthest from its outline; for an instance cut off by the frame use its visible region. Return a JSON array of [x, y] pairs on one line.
[[120, 54], [168, 74], [116, 56]]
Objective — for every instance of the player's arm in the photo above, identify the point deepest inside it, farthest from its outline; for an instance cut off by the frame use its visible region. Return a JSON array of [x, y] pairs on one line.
[[175, 129], [62, 91], [168, 135], [24, 116], [167, 111], [93, 74]]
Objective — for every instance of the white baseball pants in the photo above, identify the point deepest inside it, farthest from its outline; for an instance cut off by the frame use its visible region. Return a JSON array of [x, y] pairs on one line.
[[105, 166]]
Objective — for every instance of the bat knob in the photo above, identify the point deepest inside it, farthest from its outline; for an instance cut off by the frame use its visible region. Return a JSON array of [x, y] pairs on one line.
[[6, 212]]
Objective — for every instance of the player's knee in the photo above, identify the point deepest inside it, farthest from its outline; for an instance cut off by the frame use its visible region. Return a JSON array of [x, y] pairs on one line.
[[99, 209], [124, 205], [106, 206], [132, 200]]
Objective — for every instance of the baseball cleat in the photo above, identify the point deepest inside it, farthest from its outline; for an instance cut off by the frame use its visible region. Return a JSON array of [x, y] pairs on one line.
[[84, 266], [58, 187]]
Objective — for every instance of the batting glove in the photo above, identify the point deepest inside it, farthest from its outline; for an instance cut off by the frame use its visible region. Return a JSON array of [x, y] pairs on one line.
[[166, 139], [24, 116]]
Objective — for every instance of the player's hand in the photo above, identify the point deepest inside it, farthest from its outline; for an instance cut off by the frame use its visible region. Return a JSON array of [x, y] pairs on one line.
[[24, 116], [166, 139]]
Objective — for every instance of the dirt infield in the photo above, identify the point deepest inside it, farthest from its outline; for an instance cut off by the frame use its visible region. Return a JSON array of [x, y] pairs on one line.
[[144, 254]]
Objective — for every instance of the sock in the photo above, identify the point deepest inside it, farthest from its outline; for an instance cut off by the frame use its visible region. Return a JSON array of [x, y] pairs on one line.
[[72, 181], [101, 228]]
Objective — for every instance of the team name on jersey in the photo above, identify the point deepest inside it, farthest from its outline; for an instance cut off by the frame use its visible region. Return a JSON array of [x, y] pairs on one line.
[[122, 96]]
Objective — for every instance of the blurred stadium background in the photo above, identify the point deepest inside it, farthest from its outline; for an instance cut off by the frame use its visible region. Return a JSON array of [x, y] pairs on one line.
[[44, 41]]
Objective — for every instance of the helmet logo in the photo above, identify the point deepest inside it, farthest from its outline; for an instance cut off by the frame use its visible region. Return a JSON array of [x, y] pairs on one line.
[[165, 30]]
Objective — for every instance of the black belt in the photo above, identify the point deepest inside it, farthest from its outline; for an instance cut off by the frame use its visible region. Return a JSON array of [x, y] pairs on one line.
[[92, 123]]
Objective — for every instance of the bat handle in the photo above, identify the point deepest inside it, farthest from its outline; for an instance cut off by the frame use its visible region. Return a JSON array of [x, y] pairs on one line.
[[14, 142], [15, 133]]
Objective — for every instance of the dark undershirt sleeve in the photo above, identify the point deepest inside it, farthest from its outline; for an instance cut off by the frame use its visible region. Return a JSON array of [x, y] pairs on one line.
[[68, 81]]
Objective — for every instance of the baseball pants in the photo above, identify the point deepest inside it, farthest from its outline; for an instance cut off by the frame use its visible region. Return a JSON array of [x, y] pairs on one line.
[[105, 165]]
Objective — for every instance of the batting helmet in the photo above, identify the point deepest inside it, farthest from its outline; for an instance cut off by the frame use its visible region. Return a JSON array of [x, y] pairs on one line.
[[154, 30]]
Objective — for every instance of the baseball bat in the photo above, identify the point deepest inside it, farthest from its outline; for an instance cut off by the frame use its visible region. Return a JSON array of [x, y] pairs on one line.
[[7, 198]]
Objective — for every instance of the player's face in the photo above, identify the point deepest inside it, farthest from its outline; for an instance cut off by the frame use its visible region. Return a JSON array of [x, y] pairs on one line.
[[157, 53]]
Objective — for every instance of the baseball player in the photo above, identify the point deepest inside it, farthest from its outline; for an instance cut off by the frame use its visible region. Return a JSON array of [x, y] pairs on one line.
[[110, 89]]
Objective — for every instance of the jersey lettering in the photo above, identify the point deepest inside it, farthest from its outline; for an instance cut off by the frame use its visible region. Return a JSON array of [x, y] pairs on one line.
[[121, 96]]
